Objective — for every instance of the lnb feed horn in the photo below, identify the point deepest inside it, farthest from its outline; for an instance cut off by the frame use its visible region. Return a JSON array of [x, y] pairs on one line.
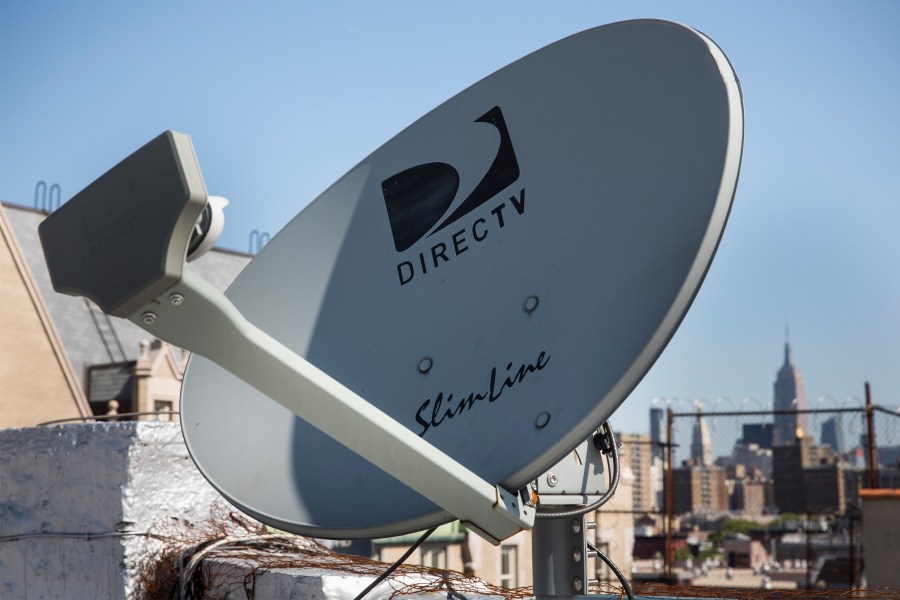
[[208, 228], [123, 239]]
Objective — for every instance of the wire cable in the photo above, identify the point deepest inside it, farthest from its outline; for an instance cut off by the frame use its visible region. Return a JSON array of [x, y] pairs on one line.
[[111, 417], [396, 564], [614, 569], [613, 461], [451, 593], [78, 536]]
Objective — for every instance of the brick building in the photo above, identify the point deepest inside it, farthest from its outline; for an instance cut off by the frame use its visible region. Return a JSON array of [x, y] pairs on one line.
[[700, 489], [638, 453], [807, 478]]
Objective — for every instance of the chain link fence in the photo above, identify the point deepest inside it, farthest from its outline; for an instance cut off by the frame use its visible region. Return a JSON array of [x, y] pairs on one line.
[[749, 498]]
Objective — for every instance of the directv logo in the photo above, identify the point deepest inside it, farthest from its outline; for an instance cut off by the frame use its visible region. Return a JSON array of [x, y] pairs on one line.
[[419, 197]]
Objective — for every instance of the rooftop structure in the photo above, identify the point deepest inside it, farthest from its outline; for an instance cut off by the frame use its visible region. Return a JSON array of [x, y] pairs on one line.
[[70, 336], [701, 442]]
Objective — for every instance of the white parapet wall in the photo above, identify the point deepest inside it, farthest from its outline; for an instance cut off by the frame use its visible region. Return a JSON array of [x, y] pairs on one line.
[[77, 503], [83, 508]]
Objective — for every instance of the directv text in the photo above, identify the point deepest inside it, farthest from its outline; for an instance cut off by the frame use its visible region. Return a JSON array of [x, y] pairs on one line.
[[462, 240], [115, 234]]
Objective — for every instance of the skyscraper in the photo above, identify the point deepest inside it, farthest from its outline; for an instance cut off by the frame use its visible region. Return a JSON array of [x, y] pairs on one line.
[[656, 475], [833, 433], [701, 442], [656, 425], [790, 394], [637, 453]]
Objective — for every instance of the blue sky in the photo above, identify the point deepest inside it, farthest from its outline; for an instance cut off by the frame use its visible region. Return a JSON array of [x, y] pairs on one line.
[[281, 99]]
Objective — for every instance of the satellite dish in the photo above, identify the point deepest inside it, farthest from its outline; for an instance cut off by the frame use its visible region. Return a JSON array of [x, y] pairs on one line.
[[497, 277], [455, 314]]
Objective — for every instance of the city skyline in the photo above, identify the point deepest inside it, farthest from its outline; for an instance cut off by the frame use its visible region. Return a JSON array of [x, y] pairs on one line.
[[282, 100]]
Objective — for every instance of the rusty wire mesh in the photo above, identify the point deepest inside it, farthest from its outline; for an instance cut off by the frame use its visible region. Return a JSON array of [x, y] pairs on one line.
[[222, 558]]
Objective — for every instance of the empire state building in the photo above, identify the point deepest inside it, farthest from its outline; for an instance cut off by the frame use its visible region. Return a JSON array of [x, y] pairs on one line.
[[790, 394]]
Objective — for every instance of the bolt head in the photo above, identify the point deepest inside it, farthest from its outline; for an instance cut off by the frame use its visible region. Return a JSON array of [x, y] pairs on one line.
[[552, 479], [425, 364], [148, 317], [176, 299]]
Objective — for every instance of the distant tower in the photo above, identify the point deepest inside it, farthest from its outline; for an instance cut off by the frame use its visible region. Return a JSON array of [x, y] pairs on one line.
[[656, 427], [833, 433], [656, 475], [701, 442], [790, 394]]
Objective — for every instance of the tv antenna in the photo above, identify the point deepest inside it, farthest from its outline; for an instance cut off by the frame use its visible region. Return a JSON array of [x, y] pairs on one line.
[[450, 323]]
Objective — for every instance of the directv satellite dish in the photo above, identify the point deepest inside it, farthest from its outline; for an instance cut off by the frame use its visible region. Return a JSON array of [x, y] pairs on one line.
[[494, 281]]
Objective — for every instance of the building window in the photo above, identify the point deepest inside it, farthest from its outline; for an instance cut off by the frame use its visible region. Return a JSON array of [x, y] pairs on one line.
[[601, 570], [509, 566], [435, 556], [163, 406]]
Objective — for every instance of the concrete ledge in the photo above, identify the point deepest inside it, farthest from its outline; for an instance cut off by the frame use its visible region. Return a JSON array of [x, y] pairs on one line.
[[80, 503]]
